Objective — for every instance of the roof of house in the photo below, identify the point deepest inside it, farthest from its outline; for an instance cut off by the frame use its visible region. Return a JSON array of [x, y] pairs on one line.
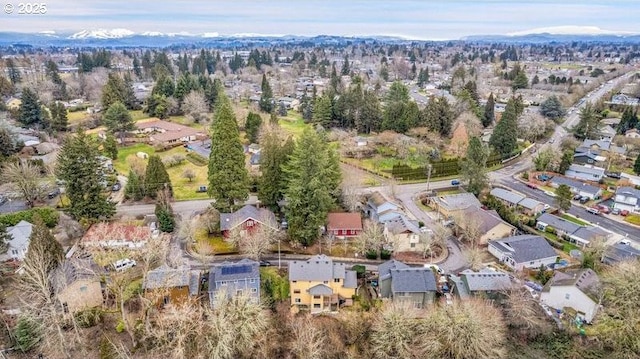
[[507, 196], [245, 268], [75, 269], [320, 289], [167, 277], [587, 169], [402, 224], [377, 199], [384, 269], [558, 223], [589, 233], [590, 155], [530, 203], [628, 192], [485, 280], [229, 221], [175, 135], [599, 143], [115, 231], [255, 159], [525, 248], [317, 268], [20, 234], [164, 125], [584, 279], [576, 185], [620, 252], [413, 280], [351, 221], [453, 202], [607, 130], [486, 220]]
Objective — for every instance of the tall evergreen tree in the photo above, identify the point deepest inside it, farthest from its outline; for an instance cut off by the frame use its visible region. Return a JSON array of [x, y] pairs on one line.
[[44, 252], [587, 127], [80, 167], [489, 112], [474, 166], [228, 176], [371, 113], [551, 108], [323, 110], [164, 86], [274, 155], [628, 121], [156, 177], [164, 212], [110, 147], [311, 185], [59, 119], [438, 116], [118, 120], [114, 91], [30, 109], [346, 68], [13, 72], [134, 189], [266, 98], [7, 143], [252, 126], [137, 70], [504, 138], [636, 166]]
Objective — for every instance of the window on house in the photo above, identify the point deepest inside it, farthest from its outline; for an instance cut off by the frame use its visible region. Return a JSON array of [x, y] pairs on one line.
[[14, 252], [235, 281], [296, 291], [336, 280], [326, 282], [294, 281], [567, 296], [166, 300], [252, 280], [83, 288], [65, 308], [413, 245], [316, 297], [297, 300], [254, 290], [316, 305]]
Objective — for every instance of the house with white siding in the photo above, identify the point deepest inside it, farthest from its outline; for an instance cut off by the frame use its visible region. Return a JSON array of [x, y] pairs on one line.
[[573, 291]]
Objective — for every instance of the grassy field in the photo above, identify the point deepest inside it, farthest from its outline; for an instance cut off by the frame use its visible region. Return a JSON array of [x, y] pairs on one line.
[[293, 124], [633, 219], [121, 165], [207, 244], [77, 116]]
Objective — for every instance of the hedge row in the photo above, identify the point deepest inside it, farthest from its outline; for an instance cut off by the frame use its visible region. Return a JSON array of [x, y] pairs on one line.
[[49, 216], [196, 159]]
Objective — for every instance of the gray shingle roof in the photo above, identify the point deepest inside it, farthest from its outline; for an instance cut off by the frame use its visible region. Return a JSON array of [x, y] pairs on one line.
[[229, 271], [20, 234], [584, 279], [402, 224], [600, 143], [384, 269], [458, 201], [628, 192], [485, 280], [587, 169], [75, 269], [228, 221], [320, 268], [414, 280], [320, 289], [529, 203], [620, 252], [576, 185], [507, 196], [558, 223], [525, 248], [167, 277]]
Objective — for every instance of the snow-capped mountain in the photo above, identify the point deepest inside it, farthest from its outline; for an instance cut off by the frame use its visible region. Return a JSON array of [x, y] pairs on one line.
[[152, 33], [569, 30], [102, 34]]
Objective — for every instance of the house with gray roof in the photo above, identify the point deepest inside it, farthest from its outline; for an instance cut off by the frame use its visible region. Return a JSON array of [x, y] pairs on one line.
[[384, 276], [627, 198], [319, 284], [485, 283], [525, 251], [620, 252], [167, 285], [449, 205], [77, 284], [585, 172], [403, 233], [378, 205], [230, 279], [575, 292], [577, 187], [571, 231], [19, 243], [530, 206], [399, 282], [510, 199]]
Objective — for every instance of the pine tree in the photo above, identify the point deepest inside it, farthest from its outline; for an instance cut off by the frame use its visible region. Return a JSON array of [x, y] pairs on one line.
[[228, 177], [273, 155], [323, 110], [79, 166], [30, 109], [371, 113], [346, 68], [134, 189], [474, 166], [164, 86], [13, 72], [438, 116], [636, 166], [628, 121], [252, 126], [113, 91], [156, 177], [266, 98], [563, 197], [118, 120], [489, 112], [587, 127], [311, 180], [504, 138], [164, 212], [59, 119], [551, 108], [43, 251], [110, 147], [7, 143], [137, 70]]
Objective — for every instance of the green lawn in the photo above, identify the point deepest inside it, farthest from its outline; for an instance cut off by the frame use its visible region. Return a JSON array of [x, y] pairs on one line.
[[574, 220], [207, 244], [633, 219], [77, 116], [121, 165], [293, 124]]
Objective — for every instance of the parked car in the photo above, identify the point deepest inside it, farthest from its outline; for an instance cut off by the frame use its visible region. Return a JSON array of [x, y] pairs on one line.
[[577, 197], [207, 145], [604, 209], [455, 182], [615, 211], [532, 185], [593, 210], [434, 267], [116, 187], [613, 175], [265, 264], [201, 189], [550, 194], [584, 199], [124, 264], [624, 213]]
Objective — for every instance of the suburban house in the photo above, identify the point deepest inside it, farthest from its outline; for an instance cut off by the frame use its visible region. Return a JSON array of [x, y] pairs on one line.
[[342, 225], [508, 198], [19, 243], [485, 283], [585, 172], [620, 252], [168, 133], [632, 133], [600, 146], [525, 251], [531, 207], [607, 133], [415, 286], [450, 205], [320, 284], [577, 187], [576, 290], [627, 198], [77, 285], [115, 234], [403, 234], [247, 219], [588, 158], [378, 204], [230, 279], [574, 232], [489, 224], [384, 276], [166, 285]]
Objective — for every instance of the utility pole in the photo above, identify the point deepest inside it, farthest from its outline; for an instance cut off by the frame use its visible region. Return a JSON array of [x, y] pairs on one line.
[[429, 167]]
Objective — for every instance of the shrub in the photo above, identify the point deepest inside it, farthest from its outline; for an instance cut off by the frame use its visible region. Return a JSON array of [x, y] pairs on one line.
[[27, 333], [550, 229], [49, 216], [360, 270], [525, 176], [385, 254], [89, 317], [196, 159], [120, 327], [371, 254]]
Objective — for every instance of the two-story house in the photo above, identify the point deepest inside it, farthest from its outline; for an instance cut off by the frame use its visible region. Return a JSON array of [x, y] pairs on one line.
[[247, 219], [378, 205], [320, 284], [401, 283], [627, 198], [343, 225], [230, 279], [77, 285], [19, 243], [585, 172], [575, 290], [403, 234], [165, 285]]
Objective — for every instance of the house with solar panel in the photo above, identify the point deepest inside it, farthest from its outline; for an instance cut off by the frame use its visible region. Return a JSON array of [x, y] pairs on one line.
[[231, 279]]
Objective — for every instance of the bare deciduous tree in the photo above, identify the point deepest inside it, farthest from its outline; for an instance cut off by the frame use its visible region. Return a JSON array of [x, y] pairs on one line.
[[523, 314], [398, 332], [371, 237], [308, 341], [256, 242], [189, 174], [195, 106], [25, 179]]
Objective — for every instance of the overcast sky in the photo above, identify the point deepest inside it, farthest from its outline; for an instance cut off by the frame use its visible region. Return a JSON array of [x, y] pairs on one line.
[[424, 19]]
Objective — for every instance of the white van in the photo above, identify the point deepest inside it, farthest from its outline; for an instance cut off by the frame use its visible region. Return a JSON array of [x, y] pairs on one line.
[[124, 264], [593, 210]]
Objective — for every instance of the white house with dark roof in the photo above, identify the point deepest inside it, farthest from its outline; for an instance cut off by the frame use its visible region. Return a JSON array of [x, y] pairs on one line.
[[585, 172], [484, 283], [576, 290], [620, 252], [378, 205], [525, 251], [510, 199], [403, 233], [627, 198], [577, 187], [575, 233]]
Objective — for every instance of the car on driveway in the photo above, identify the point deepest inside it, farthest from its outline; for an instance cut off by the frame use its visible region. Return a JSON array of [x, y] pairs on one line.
[[265, 264], [615, 211]]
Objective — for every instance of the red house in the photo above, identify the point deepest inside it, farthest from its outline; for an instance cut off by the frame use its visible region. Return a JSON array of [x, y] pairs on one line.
[[344, 224], [248, 218]]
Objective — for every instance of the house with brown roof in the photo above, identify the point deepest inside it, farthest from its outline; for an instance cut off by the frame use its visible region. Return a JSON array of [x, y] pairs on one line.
[[165, 285], [114, 235], [168, 133], [342, 225]]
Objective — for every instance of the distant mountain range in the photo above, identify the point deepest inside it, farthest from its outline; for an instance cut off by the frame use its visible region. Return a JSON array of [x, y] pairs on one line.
[[128, 38]]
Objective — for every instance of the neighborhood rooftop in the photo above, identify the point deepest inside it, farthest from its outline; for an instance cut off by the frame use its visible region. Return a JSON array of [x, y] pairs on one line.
[[525, 248], [413, 280]]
